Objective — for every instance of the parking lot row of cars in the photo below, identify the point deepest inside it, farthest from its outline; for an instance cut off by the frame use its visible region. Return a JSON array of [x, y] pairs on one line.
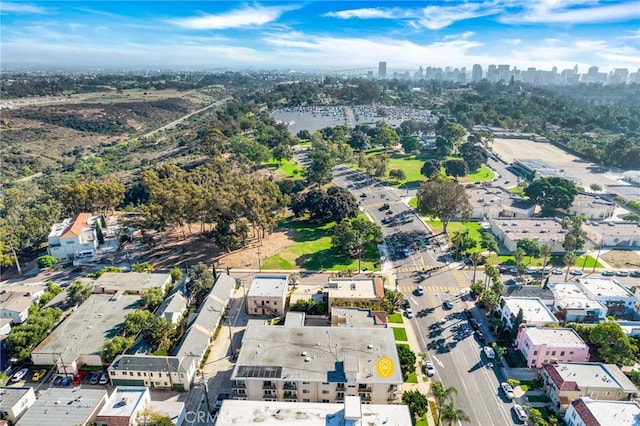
[[95, 377], [558, 271]]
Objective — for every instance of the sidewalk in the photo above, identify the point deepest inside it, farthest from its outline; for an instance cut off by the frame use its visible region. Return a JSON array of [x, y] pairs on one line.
[[423, 382]]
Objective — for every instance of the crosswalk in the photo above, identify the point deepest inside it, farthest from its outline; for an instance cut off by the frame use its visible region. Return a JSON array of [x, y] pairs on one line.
[[416, 268], [427, 288], [460, 278]]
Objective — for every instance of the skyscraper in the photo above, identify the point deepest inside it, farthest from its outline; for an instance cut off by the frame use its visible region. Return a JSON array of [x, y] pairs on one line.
[[476, 73], [382, 70]]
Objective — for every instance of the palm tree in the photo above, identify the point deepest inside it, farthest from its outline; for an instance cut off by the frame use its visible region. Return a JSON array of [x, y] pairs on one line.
[[545, 252], [453, 414], [569, 259], [442, 394], [476, 258], [519, 256]]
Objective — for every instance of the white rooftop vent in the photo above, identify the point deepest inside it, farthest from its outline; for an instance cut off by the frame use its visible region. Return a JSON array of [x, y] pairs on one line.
[[307, 359], [303, 354], [369, 346]]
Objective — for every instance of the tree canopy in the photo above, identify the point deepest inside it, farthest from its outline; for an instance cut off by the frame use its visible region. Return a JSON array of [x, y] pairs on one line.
[[551, 193], [443, 200]]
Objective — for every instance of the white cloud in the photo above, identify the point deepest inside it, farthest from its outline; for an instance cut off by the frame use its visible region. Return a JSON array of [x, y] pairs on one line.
[[461, 36], [366, 13], [247, 16], [559, 12], [438, 17], [21, 8], [632, 35]]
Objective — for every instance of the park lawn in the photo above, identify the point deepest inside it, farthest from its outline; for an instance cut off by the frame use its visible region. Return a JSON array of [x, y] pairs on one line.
[[410, 165], [413, 203], [553, 261], [312, 250], [517, 191], [395, 318], [289, 168], [422, 421], [413, 378], [483, 174], [399, 333]]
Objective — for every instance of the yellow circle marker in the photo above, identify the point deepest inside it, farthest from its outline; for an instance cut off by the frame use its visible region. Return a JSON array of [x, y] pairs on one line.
[[385, 367]]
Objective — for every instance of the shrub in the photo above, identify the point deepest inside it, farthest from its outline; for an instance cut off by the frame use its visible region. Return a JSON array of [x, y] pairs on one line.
[[46, 261]]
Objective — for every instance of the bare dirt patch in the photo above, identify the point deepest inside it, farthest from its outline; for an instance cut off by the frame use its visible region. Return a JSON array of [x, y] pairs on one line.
[[622, 258], [178, 251]]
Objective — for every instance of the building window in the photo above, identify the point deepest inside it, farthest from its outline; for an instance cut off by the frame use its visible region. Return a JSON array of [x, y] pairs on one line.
[[306, 383], [131, 373], [267, 302], [306, 400], [139, 374], [255, 310], [325, 392], [562, 353], [305, 391], [275, 303], [144, 374], [166, 384], [535, 353], [325, 401], [113, 373], [570, 352], [325, 383], [553, 353], [150, 374]]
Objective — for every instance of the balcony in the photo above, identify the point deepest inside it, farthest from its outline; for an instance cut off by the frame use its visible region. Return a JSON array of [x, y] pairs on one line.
[[268, 385], [290, 386], [365, 389], [268, 396], [289, 396], [239, 385], [340, 386], [365, 398]]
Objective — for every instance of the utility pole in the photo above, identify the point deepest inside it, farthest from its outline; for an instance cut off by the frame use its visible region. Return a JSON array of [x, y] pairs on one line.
[[206, 391]]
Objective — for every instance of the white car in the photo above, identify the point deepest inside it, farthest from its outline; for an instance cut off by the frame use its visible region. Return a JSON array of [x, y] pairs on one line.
[[20, 375], [508, 390], [489, 352], [428, 369], [409, 312], [520, 413]]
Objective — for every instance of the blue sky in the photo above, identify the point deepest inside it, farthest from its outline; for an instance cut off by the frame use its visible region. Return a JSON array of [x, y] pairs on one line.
[[309, 35]]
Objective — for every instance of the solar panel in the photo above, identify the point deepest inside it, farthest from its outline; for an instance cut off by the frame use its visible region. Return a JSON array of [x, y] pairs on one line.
[[259, 371]]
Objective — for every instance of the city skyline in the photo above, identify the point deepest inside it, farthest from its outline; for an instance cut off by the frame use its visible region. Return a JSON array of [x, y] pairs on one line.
[[322, 35]]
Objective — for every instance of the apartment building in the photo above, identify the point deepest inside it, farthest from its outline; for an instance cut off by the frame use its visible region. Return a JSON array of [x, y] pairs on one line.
[[618, 299], [574, 305], [541, 345], [588, 412], [534, 311], [351, 291], [267, 295], [74, 238], [317, 364]]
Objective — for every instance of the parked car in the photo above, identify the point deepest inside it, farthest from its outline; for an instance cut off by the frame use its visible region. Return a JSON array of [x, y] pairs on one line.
[[508, 390], [503, 269], [622, 273], [363, 195], [474, 324], [20, 374], [575, 272], [448, 304], [479, 335], [520, 413], [406, 252], [66, 381], [489, 352], [384, 207], [468, 313], [79, 377], [608, 273], [529, 270], [420, 290], [104, 379], [557, 271], [636, 273], [39, 375], [428, 369], [95, 377], [409, 312], [513, 270], [58, 380]]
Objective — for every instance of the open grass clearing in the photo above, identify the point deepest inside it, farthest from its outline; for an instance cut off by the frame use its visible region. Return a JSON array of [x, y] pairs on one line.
[[395, 318], [412, 378], [312, 250], [289, 168]]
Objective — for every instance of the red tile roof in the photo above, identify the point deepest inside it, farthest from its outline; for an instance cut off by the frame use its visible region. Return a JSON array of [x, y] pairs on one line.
[[379, 317], [557, 379], [80, 221], [379, 287], [585, 413]]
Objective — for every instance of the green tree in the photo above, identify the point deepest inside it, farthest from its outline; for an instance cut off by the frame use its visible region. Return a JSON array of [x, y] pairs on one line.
[[569, 259], [393, 299], [142, 267], [114, 347], [516, 323], [476, 258], [551, 194], [78, 292], [397, 174], [488, 241], [3, 379], [352, 237], [137, 321], [410, 144], [152, 297], [453, 415], [407, 359], [443, 200], [201, 280], [430, 167], [148, 417], [176, 275], [614, 345], [442, 395], [490, 299], [456, 167], [46, 261], [529, 247], [160, 332], [417, 402], [595, 187]]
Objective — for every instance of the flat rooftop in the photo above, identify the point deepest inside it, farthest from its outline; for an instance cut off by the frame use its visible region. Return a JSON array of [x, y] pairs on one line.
[[354, 288], [565, 337], [268, 286], [145, 363], [495, 195], [538, 229], [352, 317], [269, 413], [64, 406], [9, 396], [533, 309], [97, 319], [320, 354], [124, 400], [592, 374], [604, 287], [542, 168], [111, 282], [570, 296], [619, 413]]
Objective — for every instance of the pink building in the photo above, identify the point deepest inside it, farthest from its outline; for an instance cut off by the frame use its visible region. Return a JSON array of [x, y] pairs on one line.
[[541, 345]]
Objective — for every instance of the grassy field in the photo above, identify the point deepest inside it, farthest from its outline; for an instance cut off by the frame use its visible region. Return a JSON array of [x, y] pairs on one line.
[[482, 174], [413, 378], [289, 168], [313, 251], [399, 333]]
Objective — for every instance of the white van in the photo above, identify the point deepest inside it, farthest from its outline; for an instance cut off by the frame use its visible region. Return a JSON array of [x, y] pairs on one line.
[[84, 254], [489, 352]]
